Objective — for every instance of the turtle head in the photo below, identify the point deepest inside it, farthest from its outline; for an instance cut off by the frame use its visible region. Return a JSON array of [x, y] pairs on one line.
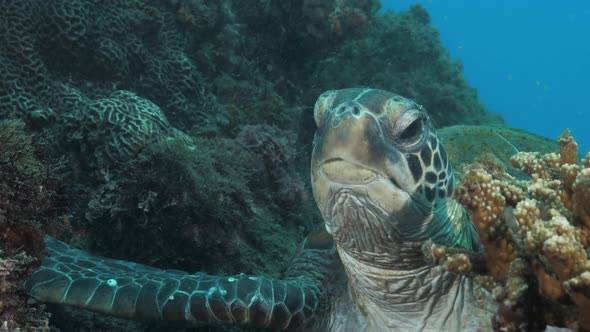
[[380, 175]]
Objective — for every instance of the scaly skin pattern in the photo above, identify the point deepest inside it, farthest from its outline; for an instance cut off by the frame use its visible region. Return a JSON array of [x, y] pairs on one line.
[[297, 303], [423, 299], [383, 183]]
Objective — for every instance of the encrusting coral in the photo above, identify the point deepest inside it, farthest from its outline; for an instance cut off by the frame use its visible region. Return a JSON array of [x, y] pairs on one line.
[[29, 197], [329, 19], [535, 230]]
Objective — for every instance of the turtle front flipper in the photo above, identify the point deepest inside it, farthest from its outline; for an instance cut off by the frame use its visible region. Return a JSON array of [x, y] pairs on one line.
[[73, 277]]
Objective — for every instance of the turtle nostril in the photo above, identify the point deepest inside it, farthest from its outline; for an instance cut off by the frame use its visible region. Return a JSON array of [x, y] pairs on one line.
[[356, 111]]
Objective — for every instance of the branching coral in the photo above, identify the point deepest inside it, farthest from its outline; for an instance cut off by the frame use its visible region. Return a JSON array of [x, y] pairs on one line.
[[536, 235], [486, 218]]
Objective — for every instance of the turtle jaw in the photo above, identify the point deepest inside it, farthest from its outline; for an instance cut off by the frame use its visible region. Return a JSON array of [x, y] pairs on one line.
[[365, 220], [360, 206], [347, 172], [337, 174], [338, 170], [355, 173], [352, 157]]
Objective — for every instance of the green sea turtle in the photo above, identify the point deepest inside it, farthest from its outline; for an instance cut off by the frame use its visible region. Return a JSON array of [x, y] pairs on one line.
[[383, 183]]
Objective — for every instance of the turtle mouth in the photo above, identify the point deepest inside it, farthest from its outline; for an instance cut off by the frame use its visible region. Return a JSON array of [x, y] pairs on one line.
[[342, 171]]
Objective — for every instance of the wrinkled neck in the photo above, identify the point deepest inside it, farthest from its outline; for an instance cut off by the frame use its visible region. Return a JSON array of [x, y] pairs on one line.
[[394, 298], [398, 256]]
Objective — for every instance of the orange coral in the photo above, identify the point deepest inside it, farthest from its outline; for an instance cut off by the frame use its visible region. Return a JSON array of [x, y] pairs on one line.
[[581, 197], [538, 249], [568, 148], [481, 195]]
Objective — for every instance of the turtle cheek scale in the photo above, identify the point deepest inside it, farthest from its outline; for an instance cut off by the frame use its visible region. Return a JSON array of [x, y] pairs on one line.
[[379, 190], [401, 171], [359, 224]]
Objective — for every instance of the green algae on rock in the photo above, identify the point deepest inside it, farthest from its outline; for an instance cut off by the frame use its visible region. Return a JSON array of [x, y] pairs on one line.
[[465, 144]]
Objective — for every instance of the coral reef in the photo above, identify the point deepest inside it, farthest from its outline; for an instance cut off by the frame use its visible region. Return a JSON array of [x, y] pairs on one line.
[[536, 235], [174, 197], [205, 63], [29, 197], [185, 123], [326, 19], [117, 128], [44, 43], [275, 156], [402, 53]]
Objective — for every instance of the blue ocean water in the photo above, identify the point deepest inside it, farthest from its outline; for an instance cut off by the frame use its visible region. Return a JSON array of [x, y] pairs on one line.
[[529, 60]]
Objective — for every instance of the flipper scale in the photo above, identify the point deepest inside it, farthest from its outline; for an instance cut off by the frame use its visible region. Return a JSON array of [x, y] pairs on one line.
[[73, 277]]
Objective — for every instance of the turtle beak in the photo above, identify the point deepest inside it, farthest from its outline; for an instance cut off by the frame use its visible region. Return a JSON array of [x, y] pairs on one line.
[[350, 152], [351, 149]]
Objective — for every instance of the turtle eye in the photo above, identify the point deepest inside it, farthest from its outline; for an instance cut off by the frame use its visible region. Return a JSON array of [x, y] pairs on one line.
[[412, 131], [410, 127]]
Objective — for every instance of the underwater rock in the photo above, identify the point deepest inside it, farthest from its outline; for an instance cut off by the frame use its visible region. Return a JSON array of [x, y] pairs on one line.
[[196, 208], [495, 144]]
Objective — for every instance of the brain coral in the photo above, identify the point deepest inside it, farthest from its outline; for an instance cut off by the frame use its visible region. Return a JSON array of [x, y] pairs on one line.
[[98, 47], [120, 126]]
